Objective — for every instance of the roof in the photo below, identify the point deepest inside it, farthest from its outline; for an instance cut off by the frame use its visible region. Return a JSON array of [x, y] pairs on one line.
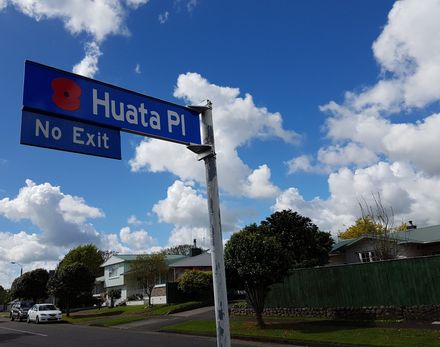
[[120, 258], [424, 235], [201, 260]]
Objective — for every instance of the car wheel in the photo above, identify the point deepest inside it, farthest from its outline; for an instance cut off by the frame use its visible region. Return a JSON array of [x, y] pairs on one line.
[[12, 317], [20, 319], [37, 320], [28, 320]]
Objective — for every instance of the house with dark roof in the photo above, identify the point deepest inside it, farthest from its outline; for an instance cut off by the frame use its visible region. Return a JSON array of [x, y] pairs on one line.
[[201, 262], [414, 242], [116, 270]]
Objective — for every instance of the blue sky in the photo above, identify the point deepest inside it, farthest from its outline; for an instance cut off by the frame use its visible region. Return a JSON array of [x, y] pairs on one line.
[[317, 104]]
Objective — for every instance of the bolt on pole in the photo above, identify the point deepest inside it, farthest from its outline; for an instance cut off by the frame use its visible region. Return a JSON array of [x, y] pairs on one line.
[[206, 151]]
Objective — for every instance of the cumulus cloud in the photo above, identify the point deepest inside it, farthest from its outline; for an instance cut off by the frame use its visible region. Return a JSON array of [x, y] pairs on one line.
[[237, 121], [63, 221], [372, 150], [98, 19], [88, 66], [60, 217], [412, 195], [187, 210], [259, 185]]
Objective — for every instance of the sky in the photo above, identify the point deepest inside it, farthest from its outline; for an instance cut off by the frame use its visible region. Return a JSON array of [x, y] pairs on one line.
[[317, 105]]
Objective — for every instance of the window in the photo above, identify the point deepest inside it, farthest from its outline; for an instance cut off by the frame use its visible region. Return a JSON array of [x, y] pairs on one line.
[[367, 257], [113, 271]]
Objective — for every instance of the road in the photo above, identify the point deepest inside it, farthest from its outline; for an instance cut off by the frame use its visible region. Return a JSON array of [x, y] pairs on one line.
[[19, 334]]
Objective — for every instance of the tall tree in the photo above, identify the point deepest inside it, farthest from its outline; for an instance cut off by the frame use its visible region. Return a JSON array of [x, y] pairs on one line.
[[4, 296], [255, 260], [304, 243], [70, 282], [87, 254], [148, 270], [31, 285]]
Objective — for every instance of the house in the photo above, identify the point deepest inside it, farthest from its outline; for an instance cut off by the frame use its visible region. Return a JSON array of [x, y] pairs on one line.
[[201, 262], [414, 242], [115, 276]]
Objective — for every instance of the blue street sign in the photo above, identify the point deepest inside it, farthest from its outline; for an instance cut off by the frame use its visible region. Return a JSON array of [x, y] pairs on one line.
[[68, 135], [52, 91]]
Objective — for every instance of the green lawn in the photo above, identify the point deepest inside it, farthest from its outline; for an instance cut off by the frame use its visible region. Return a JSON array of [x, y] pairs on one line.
[[125, 314], [324, 331]]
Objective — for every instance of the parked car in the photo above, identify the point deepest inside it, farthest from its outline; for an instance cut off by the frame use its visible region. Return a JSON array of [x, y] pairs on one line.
[[19, 310], [44, 313]]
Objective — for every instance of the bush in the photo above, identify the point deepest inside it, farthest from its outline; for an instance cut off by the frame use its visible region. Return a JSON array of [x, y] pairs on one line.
[[197, 284]]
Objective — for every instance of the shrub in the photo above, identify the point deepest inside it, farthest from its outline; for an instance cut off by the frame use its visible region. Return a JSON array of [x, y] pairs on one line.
[[197, 284]]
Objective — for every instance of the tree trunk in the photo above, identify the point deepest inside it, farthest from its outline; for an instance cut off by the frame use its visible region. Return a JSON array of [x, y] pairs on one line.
[[256, 296]]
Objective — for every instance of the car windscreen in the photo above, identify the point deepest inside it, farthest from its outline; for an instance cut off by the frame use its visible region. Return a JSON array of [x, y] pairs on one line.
[[47, 308], [27, 304]]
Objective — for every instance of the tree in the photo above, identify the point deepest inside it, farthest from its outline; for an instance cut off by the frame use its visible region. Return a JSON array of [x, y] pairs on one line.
[[70, 282], [304, 243], [255, 260], [31, 285], [182, 250], [362, 226], [89, 255], [113, 294], [385, 244], [4, 296], [149, 270], [198, 284]]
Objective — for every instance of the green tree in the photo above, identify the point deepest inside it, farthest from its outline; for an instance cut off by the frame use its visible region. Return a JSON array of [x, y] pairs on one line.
[[198, 284], [89, 255], [148, 270], [255, 260], [113, 294], [70, 282], [4, 296], [31, 285], [362, 226], [303, 242], [182, 250]]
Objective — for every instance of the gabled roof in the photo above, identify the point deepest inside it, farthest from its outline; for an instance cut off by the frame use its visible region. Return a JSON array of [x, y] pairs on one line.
[[201, 260], [120, 258], [421, 235]]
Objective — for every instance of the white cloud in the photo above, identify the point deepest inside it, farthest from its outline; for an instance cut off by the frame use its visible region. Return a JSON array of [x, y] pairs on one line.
[[64, 223], [411, 194], [304, 163], [137, 69], [191, 5], [88, 66], [163, 17], [134, 220], [259, 185], [237, 122], [51, 211], [98, 19], [187, 210], [136, 240], [182, 206], [345, 155]]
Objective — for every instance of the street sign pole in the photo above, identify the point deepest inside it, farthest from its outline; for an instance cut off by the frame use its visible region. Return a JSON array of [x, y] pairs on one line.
[[206, 151]]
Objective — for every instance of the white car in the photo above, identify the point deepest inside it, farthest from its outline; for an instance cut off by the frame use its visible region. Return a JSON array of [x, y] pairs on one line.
[[44, 313]]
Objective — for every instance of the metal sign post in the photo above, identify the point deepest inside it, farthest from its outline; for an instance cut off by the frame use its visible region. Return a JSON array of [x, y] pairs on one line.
[[206, 151]]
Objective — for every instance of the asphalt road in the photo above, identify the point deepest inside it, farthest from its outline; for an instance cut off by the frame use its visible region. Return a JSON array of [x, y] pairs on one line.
[[19, 334]]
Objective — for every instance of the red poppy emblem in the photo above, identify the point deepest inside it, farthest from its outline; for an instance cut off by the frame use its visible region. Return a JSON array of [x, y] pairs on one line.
[[66, 94]]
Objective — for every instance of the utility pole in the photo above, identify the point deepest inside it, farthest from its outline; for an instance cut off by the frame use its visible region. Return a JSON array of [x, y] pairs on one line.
[[206, 151]]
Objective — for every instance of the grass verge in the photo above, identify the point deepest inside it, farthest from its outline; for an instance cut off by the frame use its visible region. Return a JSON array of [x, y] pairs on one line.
[[126, 314], [318, 331]]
